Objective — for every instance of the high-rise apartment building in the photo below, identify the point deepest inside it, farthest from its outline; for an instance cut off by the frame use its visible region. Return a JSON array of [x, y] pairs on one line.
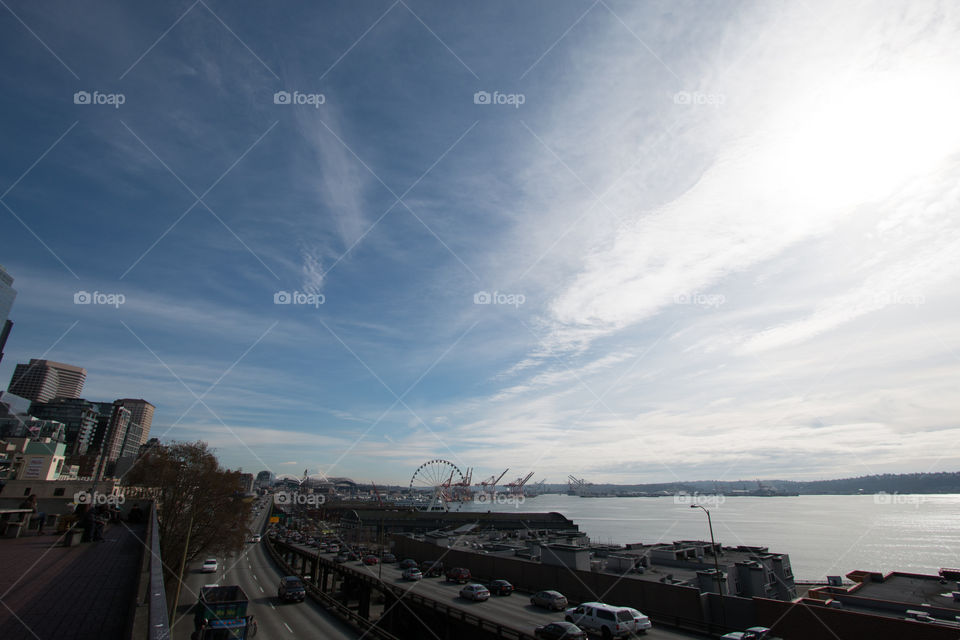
[[7, 296], [44, 380], [113, 420], [79, 416], [141, 412]]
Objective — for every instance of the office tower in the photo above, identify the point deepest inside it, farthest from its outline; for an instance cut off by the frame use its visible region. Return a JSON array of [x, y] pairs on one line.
[[141, 412], [4, 334], [43, 380], [7, 296]]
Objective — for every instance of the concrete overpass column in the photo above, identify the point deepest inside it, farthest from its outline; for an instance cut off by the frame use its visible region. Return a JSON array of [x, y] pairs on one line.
[[364, 609]]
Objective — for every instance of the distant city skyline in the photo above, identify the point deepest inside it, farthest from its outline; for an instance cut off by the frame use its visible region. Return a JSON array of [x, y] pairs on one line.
[[631, 242]]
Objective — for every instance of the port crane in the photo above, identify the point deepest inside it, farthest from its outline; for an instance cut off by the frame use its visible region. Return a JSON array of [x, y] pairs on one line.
[[461, 490], [516, 487], [489, 486], [576, 486]]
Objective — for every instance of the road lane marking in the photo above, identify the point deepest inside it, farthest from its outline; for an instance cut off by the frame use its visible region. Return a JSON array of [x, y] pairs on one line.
[[288, 627]]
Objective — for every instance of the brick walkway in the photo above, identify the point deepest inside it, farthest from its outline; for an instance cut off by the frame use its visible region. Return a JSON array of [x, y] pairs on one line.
[[50, 592]]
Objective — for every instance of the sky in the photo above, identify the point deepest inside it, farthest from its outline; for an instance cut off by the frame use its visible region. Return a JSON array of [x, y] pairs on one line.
[[628, 241]]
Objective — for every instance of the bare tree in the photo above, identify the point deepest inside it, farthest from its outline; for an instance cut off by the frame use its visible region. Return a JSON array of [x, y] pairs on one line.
[[201, 507]]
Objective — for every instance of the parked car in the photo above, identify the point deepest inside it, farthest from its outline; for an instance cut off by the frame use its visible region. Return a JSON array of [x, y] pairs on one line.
[[549, 600], [408, 564], [458, 574], [559, 630], [388, 558], [291, 589], [607, 619], [412, 574], [753, 633], [500, 588], [476, 592], [209, 565], [370, 560]]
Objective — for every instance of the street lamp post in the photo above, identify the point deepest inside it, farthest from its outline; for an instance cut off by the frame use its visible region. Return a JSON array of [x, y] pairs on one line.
[[716, 562]]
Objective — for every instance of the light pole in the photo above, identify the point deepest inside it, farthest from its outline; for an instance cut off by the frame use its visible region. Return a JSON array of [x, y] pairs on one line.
[[716, 562]]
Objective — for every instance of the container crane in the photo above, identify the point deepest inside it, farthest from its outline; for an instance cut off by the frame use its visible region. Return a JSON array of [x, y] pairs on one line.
[[516, 487]]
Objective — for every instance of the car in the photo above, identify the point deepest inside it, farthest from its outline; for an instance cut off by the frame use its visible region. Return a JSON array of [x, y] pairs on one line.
[[388, 558], [549, 599], [753, 633], [323, 547], [409, 563], [340, 558], [291, 589], [353, 555], [333, 548], [412, 574], [370, 560], [209, 565], [610, 621], [500, 588], [476, 592], [458, 574], [559, 630], [255, 538], [641, 622]]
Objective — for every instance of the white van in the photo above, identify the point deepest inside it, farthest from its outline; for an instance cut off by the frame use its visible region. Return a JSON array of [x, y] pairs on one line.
[[610, 621]]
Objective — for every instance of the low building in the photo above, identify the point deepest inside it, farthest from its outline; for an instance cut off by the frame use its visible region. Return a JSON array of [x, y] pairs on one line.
[[934, 599], [566, 555]]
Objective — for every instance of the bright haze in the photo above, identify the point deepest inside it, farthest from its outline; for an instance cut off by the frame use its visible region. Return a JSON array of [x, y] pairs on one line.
[[635, 242]]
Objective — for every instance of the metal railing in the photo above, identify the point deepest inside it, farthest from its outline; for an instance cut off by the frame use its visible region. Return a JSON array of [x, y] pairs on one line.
[[484, 624], [159, 627]]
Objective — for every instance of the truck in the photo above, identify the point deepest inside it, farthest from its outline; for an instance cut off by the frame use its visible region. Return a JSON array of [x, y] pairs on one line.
[[221, 614]]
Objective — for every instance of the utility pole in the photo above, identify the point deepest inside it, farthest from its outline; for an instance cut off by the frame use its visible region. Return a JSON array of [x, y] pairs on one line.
[[183, 563]]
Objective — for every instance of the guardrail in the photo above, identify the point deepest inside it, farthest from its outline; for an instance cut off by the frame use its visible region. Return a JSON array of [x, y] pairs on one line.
[[159, 628], [509, 633]]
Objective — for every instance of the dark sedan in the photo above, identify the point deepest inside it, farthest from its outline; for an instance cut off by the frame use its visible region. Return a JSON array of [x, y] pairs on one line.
[[500, 588], [557, 630]]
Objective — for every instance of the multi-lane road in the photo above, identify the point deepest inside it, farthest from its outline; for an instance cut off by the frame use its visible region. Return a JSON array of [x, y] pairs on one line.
[[254, 571], [513, 611]]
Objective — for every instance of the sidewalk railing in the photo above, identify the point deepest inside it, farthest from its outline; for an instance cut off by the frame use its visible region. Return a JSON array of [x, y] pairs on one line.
[[159, 628]]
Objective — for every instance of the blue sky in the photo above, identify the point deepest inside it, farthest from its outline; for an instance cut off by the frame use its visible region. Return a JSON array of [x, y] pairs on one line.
[[723, 237]]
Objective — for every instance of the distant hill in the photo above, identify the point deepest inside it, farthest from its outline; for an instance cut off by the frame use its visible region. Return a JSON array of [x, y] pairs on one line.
[[942, 482]]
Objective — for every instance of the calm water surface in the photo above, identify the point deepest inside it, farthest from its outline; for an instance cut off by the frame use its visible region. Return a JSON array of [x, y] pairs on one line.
[[824, 535]]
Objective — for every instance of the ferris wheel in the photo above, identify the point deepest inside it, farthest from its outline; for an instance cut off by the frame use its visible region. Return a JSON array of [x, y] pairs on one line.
[[436, 476]]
